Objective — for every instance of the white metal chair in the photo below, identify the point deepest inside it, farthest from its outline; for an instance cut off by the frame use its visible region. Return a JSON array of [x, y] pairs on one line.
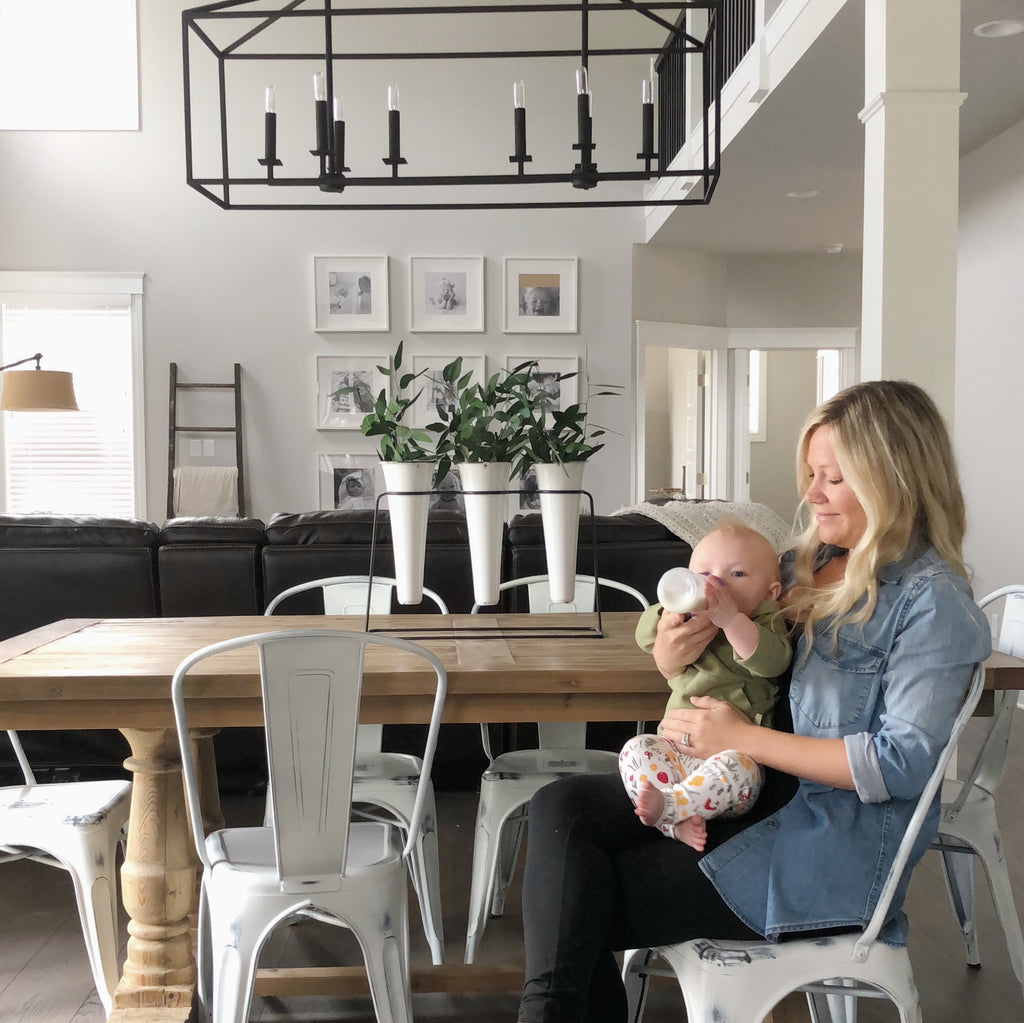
[[388, 780], [510, 779], [968, 826], [75, 826], [742, 980], [312, 860]]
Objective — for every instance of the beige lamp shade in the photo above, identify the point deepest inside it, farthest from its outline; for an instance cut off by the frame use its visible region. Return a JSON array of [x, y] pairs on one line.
[[37, 390]]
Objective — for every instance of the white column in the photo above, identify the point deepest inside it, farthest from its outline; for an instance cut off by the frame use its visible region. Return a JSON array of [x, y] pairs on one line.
[[911, 165]]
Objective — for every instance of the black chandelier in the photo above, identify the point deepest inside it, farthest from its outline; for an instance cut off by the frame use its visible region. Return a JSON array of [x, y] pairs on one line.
[[230, 47]]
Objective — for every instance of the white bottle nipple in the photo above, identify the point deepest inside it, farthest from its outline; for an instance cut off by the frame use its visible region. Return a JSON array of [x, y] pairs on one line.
[[681, 590]]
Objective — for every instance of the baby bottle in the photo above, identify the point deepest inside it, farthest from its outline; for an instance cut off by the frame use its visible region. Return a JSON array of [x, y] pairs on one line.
[[681, 590]]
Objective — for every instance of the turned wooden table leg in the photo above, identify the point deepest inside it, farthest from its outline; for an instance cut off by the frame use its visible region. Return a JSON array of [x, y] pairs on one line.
[[158, 878]]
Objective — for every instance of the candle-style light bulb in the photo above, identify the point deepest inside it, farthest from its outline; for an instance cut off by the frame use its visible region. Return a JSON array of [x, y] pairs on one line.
[[582, 85], [519, 95], [271, 100], [339, 108], [647, 91], [392, 97], [320, 87]]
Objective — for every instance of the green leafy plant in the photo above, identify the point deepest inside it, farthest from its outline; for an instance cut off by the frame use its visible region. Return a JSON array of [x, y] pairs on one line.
[[397, 441], [479, 424], [551, 435]]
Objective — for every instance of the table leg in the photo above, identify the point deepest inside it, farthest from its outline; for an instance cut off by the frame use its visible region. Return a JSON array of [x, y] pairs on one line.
[[158, 878]]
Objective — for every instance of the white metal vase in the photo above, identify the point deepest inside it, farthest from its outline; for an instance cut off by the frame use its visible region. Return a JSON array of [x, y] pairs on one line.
[[485, 517], [408, 514], [560, 517]]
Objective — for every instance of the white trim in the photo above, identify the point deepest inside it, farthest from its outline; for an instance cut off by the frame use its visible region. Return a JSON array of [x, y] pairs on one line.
[[36, 282]]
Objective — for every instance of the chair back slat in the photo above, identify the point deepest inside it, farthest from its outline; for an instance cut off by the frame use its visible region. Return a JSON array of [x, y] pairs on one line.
[[19, 752], [311, 690]]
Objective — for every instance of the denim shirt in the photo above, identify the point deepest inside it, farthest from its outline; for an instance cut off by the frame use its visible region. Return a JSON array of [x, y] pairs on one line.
[[890, 688]]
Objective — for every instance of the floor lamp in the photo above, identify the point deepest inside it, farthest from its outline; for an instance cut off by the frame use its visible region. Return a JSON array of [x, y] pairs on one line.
[[36, 390]]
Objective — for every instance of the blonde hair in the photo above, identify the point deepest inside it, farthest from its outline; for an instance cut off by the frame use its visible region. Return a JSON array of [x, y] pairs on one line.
[[894, 450]]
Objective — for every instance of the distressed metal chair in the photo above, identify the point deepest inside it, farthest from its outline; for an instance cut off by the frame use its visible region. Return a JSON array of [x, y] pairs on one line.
[[312, 860], [968, 828], [388, 781], [743, 980], [510, 779], [75, 826]]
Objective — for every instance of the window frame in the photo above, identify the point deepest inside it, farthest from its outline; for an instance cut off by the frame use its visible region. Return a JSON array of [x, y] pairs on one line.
[[27, 285]]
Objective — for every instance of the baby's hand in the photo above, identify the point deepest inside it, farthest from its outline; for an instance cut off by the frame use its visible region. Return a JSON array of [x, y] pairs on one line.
[[722, 608]]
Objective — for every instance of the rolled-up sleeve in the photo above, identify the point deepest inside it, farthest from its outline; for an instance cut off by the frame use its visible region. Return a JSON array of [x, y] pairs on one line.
[[940, 637]]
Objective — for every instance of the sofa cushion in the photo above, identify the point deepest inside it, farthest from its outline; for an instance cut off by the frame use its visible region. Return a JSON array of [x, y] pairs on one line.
[[203, 529], [356, 527], [74, 531]]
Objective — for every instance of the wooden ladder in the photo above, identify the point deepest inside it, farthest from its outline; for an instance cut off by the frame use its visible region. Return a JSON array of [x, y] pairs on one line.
[[175, 429]]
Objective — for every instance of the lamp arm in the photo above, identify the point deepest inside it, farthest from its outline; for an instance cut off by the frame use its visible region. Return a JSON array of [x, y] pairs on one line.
[[21, 362]]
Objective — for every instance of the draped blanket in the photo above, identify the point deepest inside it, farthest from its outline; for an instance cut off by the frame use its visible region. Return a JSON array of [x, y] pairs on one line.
[[691, 520]]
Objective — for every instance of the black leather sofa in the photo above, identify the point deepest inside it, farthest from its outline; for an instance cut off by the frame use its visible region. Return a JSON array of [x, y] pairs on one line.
[[54, 567]]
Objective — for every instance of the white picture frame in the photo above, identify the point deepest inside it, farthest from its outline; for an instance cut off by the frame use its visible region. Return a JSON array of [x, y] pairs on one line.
[[349, 482], [546, 377], [346, 412], [541, 295], [446, 294], [431, 382], [351, 293]]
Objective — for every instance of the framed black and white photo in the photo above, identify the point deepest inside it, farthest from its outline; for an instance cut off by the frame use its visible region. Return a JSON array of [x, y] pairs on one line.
[[435, 392], [540, 296], [351, 292], [546, 378], [446, 294], [346, 388], [447, 494], [350, 482]]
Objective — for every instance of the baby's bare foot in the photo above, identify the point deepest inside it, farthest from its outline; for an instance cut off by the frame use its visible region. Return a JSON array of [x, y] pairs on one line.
[[692, 832], [650, 803]]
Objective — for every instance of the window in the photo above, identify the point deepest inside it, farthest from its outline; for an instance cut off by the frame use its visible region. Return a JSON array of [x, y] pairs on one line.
[[69, 65], [86, 462], [757, 379], [828, 373]]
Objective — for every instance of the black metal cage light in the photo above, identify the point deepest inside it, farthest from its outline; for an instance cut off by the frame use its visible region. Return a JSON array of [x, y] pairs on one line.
[[658, 146]]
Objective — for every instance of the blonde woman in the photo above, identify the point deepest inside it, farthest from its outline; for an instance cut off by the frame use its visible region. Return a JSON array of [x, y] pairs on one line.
[[886, 637]]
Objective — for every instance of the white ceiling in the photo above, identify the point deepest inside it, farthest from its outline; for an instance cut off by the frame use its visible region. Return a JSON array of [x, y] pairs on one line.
[[806, 135]]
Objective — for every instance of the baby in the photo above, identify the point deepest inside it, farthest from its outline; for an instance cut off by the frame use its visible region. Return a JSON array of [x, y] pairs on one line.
[[672, 790]]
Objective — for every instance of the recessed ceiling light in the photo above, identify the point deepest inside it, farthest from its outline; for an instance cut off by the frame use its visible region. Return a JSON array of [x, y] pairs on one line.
[[808, 193], [1000, 28], [834, 249]]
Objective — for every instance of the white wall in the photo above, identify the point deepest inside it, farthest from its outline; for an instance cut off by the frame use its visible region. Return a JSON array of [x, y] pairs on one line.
[[989, 418], [236, 286]]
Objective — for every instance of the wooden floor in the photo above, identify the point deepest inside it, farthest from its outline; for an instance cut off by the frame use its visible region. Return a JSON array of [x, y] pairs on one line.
[[44, 977]]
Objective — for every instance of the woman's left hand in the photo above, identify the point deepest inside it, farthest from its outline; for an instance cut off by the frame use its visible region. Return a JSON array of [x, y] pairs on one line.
[[711, 726]]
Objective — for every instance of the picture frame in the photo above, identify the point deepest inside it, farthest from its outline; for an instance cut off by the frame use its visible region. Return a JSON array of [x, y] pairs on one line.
[[433, 385], [447, 495], [446, 294], [351, 293], [541, 295], [349, 482], [346, 412], [563, 393]]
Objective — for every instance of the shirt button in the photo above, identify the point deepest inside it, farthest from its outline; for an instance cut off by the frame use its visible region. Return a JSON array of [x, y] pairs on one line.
[[771, 822]]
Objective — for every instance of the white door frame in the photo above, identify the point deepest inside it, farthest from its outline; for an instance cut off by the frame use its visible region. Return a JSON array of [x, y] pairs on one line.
[[728, 445]]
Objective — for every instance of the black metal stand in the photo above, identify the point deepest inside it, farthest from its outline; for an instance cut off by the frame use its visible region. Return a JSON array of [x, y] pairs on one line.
[[593, 630]]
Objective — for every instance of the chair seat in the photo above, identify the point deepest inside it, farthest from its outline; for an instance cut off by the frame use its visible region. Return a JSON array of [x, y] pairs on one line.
[[81, 804], [252, 849], [403, 767], [540, 766]]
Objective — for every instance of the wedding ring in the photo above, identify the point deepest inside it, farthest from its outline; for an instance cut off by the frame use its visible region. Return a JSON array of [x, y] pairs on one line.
[[685, 738]]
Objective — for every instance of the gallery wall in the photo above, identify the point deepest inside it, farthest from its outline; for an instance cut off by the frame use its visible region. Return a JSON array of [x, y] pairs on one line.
[[237, 286]]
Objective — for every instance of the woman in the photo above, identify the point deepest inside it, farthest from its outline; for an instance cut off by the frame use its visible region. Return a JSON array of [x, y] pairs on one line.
[[887, 636]]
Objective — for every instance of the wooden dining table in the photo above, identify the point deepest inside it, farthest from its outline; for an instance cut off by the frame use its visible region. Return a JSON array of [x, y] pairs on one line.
[[115, 673]]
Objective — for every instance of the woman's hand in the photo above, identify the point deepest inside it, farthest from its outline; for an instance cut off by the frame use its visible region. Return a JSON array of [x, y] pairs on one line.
[[681, 640], [711, 726]]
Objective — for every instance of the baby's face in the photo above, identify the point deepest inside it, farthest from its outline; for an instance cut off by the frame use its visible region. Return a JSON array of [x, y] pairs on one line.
[[746, 564]]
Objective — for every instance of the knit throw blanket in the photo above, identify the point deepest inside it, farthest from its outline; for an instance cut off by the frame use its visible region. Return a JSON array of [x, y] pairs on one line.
[[691, 520]]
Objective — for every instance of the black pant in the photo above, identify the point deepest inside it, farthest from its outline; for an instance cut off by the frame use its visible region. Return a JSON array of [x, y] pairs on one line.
[[598, 881]]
